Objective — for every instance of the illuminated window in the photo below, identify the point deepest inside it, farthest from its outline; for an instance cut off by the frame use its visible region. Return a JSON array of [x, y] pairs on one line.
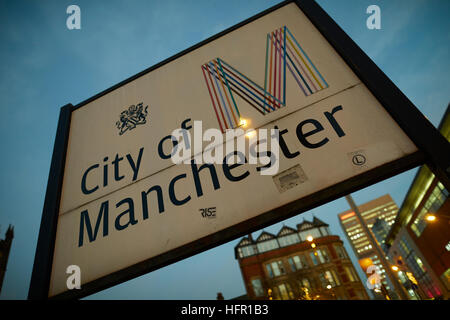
[[285, 291], [336, 278], [314, 258], [275, 269], [404, 246], [267, 245], [433, 204], [290, 292], [411, 293], [350, 273], [323, 255], [418, 269], [257, 287], [246, 251], [289, 239], [312, 232], [292, 264], [269, 271], [304, 283], [297, 262], [446, 278], [327, 278], [420, 264], [402, 277]]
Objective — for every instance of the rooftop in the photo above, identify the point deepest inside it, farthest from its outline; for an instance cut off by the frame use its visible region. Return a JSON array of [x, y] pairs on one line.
[[267, 241]]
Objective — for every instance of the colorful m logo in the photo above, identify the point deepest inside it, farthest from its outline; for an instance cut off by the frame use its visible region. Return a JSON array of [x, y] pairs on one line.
[[283, 53]]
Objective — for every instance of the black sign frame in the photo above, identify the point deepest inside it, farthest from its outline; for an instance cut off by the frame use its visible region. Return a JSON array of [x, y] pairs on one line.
[[433, 150]]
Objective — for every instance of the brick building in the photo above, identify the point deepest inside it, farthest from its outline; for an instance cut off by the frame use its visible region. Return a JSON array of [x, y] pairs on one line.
[[303, 263]]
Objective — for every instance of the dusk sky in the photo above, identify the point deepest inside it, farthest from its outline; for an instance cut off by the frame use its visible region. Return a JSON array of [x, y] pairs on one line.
[[45, 66]]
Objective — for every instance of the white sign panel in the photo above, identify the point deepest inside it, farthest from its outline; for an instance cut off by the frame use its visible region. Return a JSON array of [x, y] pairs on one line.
[[124, 200]]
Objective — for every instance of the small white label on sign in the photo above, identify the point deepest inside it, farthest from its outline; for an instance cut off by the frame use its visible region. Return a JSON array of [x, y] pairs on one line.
[[290, 178]]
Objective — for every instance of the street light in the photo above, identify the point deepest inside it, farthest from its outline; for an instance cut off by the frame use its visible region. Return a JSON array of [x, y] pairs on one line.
[[243, 123], [432, 217], [269, 293], [409, 275], [311, 239]]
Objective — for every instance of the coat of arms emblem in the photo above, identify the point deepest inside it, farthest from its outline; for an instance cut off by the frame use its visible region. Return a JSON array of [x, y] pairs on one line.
[[131, 117]]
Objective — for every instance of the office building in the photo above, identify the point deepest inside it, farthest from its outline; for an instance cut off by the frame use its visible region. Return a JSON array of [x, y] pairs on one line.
[[419, 240], [382, 208], [380, 230]]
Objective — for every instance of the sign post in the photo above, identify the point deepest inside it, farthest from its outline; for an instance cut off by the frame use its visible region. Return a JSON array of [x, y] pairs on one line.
[[118, 206]]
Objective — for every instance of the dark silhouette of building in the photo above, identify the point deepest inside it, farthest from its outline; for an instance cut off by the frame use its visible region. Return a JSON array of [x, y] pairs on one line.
[[5, 247], [220, 296], [307, 263]]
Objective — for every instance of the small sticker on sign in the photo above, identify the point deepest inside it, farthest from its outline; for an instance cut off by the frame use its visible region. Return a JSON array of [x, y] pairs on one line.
[[358, 159], [290, 178]]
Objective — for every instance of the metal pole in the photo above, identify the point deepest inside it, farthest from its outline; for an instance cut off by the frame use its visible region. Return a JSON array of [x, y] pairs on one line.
[[377, 248], [42, 267]]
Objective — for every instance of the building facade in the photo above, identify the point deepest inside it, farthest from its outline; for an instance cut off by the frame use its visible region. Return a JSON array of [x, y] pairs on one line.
[[306, 263], [419, 240], [383, 208], [380, 230]]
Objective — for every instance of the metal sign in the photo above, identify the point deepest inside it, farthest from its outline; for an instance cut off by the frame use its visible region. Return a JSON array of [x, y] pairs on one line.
[[118, 206]]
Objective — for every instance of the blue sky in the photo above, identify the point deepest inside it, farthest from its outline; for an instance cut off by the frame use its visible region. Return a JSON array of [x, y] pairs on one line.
[[43, 66]]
